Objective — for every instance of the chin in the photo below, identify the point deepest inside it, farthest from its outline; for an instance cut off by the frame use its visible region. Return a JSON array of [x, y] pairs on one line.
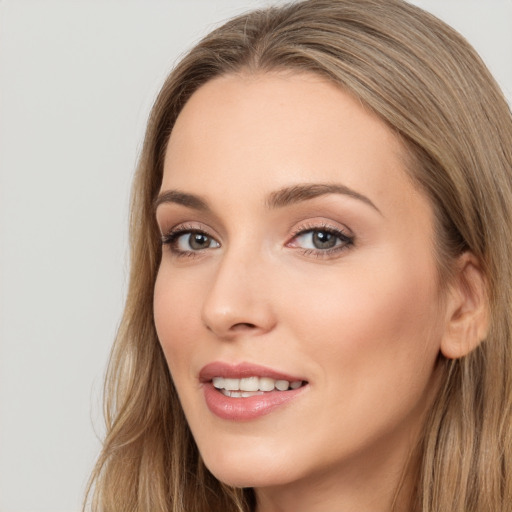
[[249, 469], [256, 477]]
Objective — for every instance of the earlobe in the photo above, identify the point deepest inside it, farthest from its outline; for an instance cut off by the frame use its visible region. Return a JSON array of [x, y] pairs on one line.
[[467, 309]]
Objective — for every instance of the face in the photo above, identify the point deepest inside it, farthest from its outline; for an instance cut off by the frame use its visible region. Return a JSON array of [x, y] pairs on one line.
[[297, 300]]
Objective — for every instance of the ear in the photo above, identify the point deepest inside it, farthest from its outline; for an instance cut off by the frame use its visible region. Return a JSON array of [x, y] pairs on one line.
[[467, 311]]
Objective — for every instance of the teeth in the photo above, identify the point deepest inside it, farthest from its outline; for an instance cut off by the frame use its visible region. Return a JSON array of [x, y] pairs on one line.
[[266, 384], [218, 382], [249, 386], [282, 385], [232, 384], [240, 394]]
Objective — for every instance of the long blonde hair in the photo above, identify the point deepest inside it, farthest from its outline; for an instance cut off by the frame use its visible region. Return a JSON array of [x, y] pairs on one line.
[[432, 89]]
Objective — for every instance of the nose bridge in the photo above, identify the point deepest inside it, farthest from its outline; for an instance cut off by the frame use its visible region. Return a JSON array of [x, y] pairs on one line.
[[237, 299]]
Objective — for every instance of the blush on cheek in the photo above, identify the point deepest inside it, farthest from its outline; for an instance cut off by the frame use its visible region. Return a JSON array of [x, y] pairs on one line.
[[378, 313], [169, 315]]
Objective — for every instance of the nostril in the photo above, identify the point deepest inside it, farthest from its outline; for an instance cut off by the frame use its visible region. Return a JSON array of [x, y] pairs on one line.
[[242, 326]]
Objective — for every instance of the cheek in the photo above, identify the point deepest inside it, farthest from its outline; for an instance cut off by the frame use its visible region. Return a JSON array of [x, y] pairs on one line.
[[372, 324], [176, 316]]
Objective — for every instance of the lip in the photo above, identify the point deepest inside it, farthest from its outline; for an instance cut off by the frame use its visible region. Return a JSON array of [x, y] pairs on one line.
[[249, 408], [241, 370]]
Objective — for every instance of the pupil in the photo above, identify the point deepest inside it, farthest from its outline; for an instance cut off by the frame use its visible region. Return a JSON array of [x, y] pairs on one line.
[[323, 240], [199, 241]]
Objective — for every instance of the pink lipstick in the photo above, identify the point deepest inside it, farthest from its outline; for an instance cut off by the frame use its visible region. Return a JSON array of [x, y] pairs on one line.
[[244, 392]]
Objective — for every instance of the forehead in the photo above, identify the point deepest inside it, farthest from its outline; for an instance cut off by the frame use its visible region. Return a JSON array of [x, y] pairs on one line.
[[255, 133]]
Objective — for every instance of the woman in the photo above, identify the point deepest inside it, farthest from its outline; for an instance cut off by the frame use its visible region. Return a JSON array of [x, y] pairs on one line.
[[319, 307]]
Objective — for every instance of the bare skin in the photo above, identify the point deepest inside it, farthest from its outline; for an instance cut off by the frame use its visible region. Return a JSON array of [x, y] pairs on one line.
[[336, 285]]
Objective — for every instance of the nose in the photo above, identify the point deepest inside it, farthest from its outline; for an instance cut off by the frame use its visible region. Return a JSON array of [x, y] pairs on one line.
[[238, 301]]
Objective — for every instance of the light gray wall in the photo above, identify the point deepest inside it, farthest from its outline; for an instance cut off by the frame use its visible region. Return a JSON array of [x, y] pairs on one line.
[[77, 79]]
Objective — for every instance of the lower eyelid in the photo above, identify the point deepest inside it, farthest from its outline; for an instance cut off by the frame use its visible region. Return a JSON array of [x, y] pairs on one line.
[[325, 252]]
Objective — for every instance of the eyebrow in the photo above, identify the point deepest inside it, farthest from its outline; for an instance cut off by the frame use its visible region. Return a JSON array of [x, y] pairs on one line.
[[178, 197], [299, 193], [278, 199]]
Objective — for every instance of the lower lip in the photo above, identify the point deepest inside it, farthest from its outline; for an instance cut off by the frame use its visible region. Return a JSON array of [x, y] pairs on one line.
[[249, 408]]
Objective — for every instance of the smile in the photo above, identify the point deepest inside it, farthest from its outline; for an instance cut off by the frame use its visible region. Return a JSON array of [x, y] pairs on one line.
[[245, 392], [252, 386]]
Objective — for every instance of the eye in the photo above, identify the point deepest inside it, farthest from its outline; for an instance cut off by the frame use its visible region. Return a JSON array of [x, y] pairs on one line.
[[321, 240], [186, 241], [318, 240]]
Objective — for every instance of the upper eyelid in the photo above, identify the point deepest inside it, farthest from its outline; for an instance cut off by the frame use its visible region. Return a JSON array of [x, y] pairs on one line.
[[322, 225], [301, 228], [185, 227]]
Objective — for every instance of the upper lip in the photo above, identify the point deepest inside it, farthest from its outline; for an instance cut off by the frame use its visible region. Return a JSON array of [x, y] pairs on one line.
[[241, 370]]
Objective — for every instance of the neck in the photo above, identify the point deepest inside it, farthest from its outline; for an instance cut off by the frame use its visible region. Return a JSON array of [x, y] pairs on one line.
[[382, 483]]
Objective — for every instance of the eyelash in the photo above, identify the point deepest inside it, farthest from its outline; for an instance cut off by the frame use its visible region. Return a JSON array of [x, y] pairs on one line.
[[171, 239], [346, 241]]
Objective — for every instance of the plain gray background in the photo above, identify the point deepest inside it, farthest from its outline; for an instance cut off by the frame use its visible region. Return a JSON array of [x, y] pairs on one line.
[[77, 79]]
